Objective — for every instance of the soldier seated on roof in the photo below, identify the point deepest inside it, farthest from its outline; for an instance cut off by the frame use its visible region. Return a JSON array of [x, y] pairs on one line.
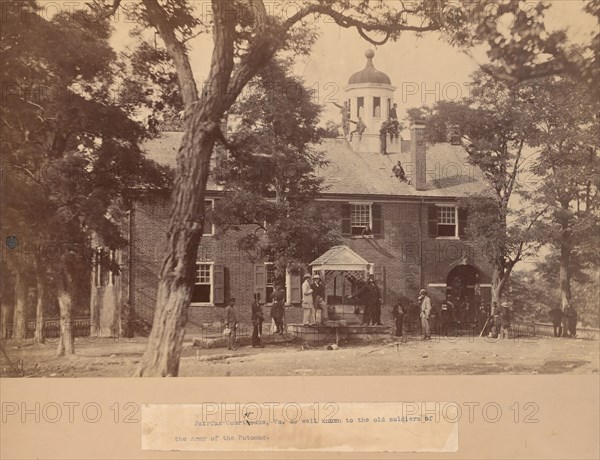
[[360, 128], [393, 128], [398, 171]]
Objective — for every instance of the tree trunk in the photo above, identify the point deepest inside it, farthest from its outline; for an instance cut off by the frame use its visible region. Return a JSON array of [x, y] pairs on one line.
[[66, 342], [19, 317], [6, 310], [176, 283], [39, 311], [501, 271], [565, 269], [565, 272]]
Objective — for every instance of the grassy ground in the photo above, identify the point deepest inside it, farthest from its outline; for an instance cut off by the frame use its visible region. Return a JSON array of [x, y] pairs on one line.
[[118, 358]]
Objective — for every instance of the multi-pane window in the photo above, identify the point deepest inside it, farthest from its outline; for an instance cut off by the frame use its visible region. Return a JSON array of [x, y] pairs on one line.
[[446, 219], [270, 281], [360, 219], [203, 284]]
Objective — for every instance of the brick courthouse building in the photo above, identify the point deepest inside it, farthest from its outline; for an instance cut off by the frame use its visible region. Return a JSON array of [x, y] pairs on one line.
[[416, 239]]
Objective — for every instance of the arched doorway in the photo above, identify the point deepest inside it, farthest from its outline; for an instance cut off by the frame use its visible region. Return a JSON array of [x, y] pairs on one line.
[[463, 289]]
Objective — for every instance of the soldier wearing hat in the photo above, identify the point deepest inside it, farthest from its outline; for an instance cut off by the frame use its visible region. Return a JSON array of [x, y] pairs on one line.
[[231, 323], [278, 309], [308, 307], [319, 299], [425, 303], [372, 300]]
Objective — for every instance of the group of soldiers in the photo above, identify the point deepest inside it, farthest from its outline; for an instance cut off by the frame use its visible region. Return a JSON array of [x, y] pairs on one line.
[[391, 126]]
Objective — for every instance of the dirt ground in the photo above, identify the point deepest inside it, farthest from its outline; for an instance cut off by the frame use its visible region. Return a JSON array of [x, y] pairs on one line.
[[475, 356]]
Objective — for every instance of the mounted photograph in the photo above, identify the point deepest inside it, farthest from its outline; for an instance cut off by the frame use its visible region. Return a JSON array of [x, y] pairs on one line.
[[317, 188]]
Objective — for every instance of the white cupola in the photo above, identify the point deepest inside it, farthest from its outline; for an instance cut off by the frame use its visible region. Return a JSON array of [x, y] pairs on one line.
[[371, 96]]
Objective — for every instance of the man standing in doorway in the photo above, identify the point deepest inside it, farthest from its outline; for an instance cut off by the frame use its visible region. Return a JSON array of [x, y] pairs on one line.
[[425, 313]]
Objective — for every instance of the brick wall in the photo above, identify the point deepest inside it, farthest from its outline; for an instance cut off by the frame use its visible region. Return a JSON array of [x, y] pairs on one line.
[[398, 252]]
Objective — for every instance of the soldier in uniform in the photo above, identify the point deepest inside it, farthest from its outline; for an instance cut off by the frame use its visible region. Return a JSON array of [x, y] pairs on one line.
[[425, 303], [231, 323], [257, 319], [398, 314], [372, 300], [556, 315], [319, 298]]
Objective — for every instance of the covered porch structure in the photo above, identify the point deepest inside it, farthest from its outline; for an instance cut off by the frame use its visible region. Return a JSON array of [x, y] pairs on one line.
[[343, 272]]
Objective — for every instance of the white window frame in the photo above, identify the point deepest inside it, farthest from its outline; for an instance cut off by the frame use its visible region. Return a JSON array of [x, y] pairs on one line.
[[212, 285], [212, 227], [446, 205], [362, 203]]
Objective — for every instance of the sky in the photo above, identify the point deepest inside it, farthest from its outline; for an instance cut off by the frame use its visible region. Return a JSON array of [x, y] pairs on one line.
[[424, 69]]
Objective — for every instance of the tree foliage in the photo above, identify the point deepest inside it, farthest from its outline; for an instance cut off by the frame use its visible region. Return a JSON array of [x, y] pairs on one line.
[[272, 172], [71, 153], [496, 126]]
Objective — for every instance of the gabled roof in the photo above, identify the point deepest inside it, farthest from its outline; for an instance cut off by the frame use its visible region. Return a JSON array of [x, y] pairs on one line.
[[340, 258], [351, 173]]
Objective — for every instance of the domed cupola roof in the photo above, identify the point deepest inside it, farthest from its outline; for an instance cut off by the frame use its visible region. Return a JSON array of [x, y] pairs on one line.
[[369, 74]]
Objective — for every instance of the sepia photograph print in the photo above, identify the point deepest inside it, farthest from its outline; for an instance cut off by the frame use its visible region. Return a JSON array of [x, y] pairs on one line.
[[324, 188]]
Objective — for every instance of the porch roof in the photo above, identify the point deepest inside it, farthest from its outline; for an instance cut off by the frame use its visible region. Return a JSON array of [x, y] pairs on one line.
[[340, 258]]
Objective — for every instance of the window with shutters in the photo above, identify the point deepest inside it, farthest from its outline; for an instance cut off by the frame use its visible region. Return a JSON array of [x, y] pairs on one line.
[[209, 228], [203, 284], [269, 281], [265, 282], [362, 220], [447, 221]]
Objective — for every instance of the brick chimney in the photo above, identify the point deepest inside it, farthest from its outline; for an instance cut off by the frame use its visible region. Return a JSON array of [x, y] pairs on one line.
[[418, 154]]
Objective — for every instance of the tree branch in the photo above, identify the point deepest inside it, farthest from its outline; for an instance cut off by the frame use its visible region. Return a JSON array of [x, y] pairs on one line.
[[159, 19], [513, 175], [112, 10]]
